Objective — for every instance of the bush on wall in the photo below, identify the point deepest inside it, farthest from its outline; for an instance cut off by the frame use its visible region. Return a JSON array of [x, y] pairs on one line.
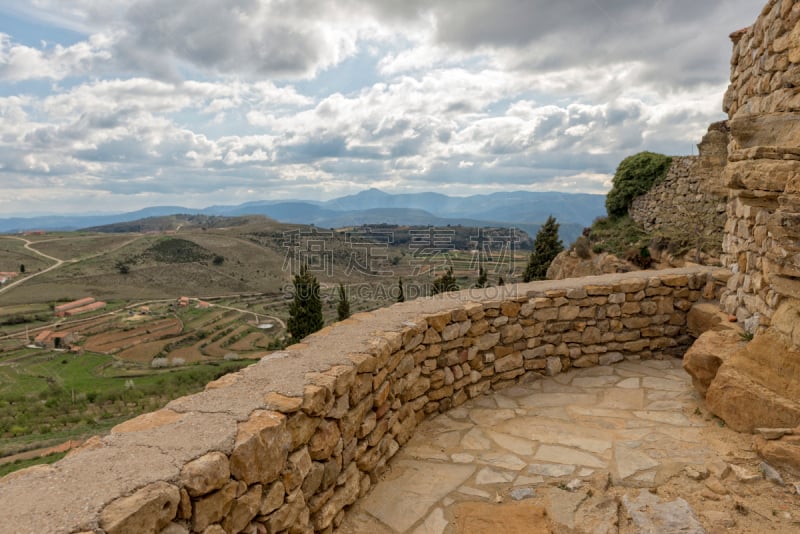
[[635, 176]]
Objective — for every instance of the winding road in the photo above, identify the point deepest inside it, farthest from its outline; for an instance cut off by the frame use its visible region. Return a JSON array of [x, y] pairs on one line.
[[58, 263]]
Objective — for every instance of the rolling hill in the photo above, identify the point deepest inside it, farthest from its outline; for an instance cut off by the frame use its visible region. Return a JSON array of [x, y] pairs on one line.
[[522, 209]]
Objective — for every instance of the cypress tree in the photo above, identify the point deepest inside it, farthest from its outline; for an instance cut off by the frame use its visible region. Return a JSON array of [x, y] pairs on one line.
[[546, 247], [343, 310], [305, 312], [483, 278]]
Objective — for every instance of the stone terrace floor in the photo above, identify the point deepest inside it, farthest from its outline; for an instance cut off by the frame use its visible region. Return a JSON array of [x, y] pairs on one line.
[[604, 449]]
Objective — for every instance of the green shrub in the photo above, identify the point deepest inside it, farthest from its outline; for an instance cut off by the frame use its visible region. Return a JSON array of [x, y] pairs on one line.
[[616, 235], [641, 257], [635, 176], [582, 248]]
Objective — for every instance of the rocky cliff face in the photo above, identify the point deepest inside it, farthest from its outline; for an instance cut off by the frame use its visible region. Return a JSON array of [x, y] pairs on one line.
[[691, 200], [762, 233]]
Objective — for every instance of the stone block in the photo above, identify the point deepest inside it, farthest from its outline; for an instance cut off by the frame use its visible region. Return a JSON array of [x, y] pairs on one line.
[[290, 514], [272, 497], [616, 298], [478, 328], [568, 313], [546, 314], [610, 358], [149, 509], [214, 507], [512, 361], [417, 389], [243, 510], [487, 341], [345, 494], [598, 290], [301, 427], [297, 468], [511, 333], [553, 366], [510, 309], [205, 474], [432, 336], [451, 332], [317, 400], [261, 448], [323, 441]]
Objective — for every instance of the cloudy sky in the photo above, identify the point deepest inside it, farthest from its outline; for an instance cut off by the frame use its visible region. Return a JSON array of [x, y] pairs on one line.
[[113, 105]]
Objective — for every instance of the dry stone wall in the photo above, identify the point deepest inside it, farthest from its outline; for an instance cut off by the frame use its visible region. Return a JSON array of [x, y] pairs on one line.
[[289, 443], [692, 197], [762, 233]]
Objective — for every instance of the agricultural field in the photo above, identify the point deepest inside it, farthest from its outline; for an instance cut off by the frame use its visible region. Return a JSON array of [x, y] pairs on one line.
[[47, 397], [128, 362], [146, 348]]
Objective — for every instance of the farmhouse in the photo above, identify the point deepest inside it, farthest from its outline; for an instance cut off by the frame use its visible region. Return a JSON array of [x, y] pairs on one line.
[[61, 309], [85, 309], [183, 302], [47, 339]]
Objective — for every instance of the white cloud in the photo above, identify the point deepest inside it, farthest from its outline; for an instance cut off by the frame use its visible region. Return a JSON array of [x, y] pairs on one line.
[[188, 101], [19, 62]]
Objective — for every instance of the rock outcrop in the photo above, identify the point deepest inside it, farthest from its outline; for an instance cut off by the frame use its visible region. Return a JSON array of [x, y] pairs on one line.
[[758, 386], [568, 264]]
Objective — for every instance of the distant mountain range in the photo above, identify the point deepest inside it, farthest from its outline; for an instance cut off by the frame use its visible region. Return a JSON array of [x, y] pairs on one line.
[[523, 209]]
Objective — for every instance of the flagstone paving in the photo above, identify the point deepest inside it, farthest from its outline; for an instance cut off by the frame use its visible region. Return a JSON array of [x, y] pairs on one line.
[[556, 443]]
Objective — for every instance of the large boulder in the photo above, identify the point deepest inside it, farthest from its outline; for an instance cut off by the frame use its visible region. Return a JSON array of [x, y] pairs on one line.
[[708, 353], [758, 386]]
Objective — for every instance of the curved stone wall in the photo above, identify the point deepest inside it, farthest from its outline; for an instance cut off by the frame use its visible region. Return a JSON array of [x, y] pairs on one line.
[[288, 443]]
